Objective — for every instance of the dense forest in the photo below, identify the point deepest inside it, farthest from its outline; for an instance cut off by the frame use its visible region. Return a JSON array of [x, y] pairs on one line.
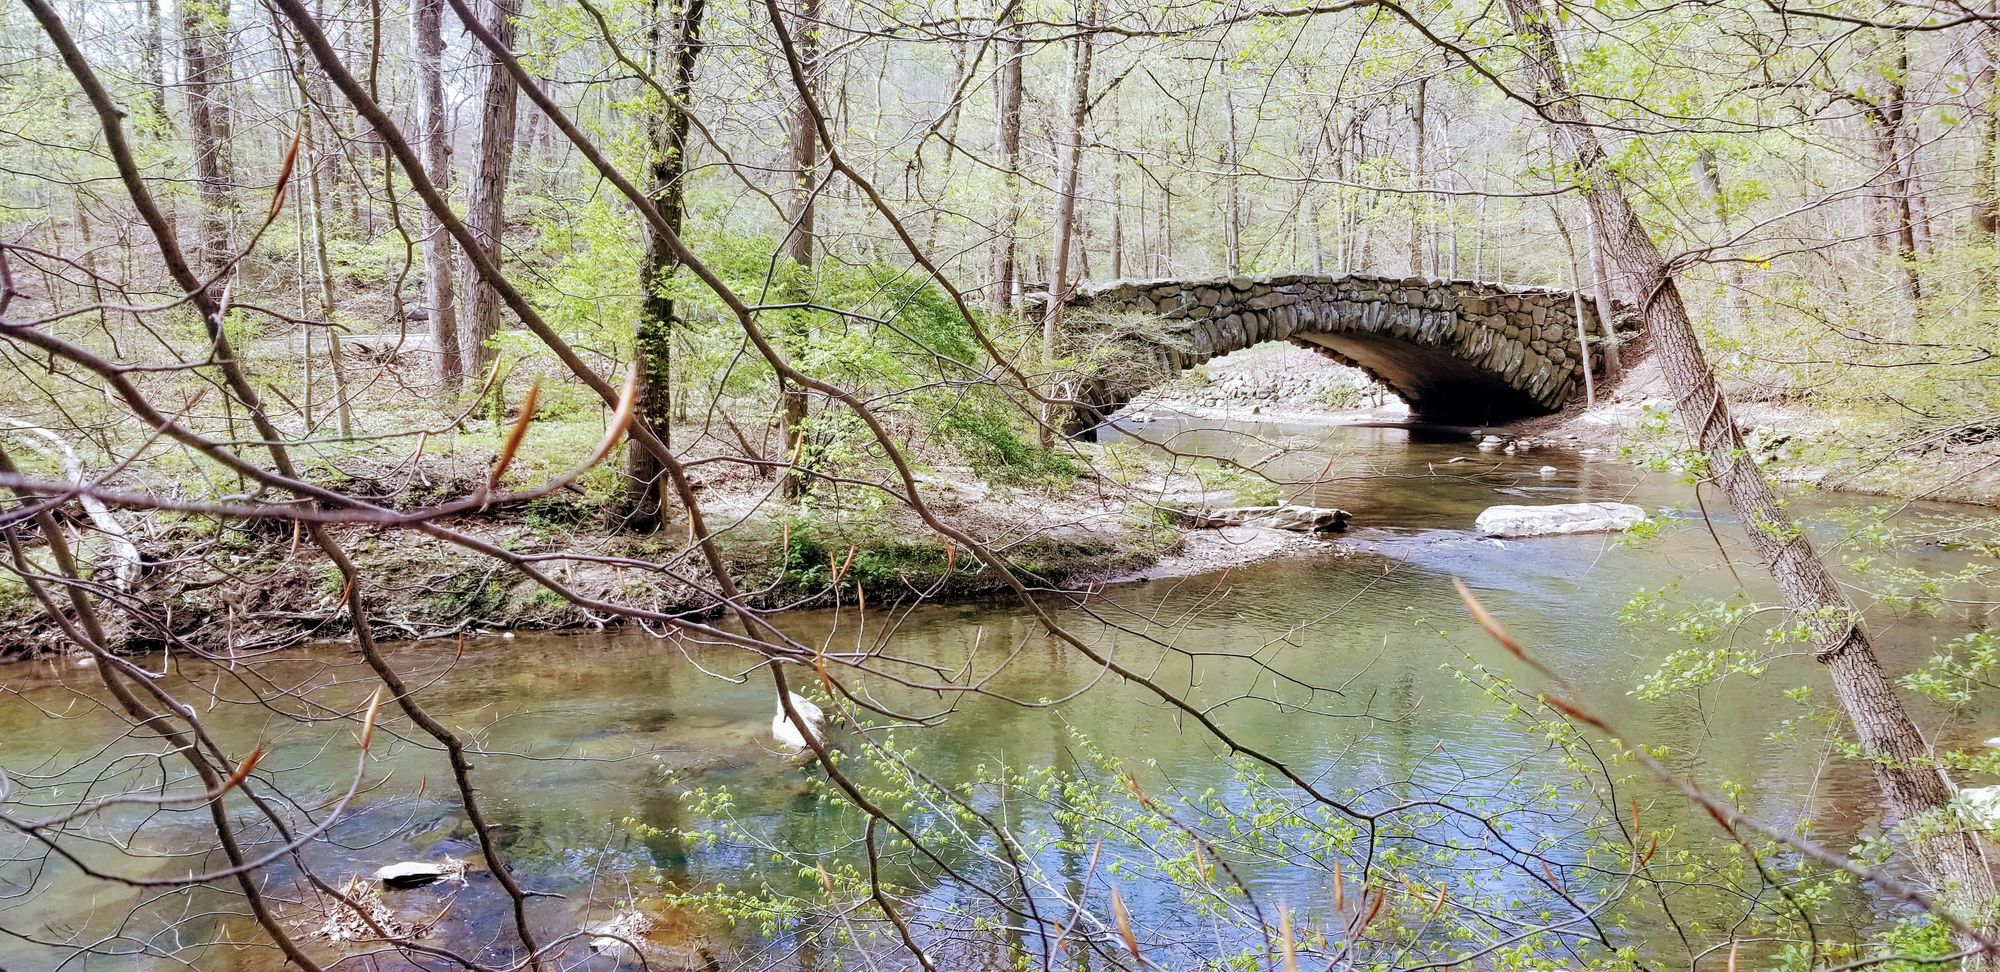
[[807, 484]]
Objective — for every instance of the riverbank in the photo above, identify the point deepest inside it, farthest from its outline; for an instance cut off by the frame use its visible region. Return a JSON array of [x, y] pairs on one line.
[[1798, 444], [239, 591]]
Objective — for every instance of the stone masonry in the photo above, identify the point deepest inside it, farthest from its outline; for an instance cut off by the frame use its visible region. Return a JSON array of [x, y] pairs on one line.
[[1458, 351]]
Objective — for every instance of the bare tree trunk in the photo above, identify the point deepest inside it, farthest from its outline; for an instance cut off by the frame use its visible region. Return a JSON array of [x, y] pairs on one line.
[[316, 199], [1232, 197], [652, 345], [793, 404], [153, 65], [1419, 203], [1071, 164], [486, 196], [1710, 179], [1117, 208], [1604, 292], [427, 54], [1007, 111], [1914, 790], [1883, 107], [204, 47]]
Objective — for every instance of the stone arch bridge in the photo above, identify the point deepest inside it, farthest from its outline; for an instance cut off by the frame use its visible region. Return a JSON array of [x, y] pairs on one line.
[[1459, 352]]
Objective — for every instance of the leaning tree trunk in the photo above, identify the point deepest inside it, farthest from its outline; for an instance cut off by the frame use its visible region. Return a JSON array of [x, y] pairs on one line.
[[652, 346], [427, 53], [1913, 789], [204, 47], [486, 197]]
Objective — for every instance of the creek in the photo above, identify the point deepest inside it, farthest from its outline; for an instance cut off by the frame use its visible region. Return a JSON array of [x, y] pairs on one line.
[[1355, 666]]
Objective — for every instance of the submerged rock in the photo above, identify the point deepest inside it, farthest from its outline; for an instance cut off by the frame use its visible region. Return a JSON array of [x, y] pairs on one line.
[[1979, 805], [1301, 519], [618, 934], [1561, 518]]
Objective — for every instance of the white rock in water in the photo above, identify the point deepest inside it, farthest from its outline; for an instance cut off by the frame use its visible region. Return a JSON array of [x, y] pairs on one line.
[[1542, 521], [1993, 743], [1980, 805], [408, 874], [1489, 443], [1550, 470]]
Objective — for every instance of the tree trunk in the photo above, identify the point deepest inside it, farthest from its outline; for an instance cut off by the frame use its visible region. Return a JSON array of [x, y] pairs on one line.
[[486, 197], [1914, 791], [1883, 104], [1071, 164], [1600, 276], [153, 66], [1007, 99], [1709, 177], [427, 54], [204, 47], [1232, 197], [323, 264], [1985, 100], [799, 244], [1419, 203], [652, 346]]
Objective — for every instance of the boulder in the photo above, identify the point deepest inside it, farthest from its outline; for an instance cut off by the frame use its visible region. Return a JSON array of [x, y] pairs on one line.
[[1302, 519], [1561, 518], [409, 874]]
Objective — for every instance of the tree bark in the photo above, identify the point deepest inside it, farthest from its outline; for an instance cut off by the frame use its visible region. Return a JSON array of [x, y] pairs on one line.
[[1601, 292], [1884, 108], [323, 264], [153, 65], [427, 54], [667, 134], [1070, 166], [1419, 203], [204, 48], [1914, 790], [793, 404], [1007, 111], [1232, 197], [486, 196], [1709, 177]]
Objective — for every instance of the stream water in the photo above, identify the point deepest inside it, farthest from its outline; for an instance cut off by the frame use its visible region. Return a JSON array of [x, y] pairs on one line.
[[590, 742]]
